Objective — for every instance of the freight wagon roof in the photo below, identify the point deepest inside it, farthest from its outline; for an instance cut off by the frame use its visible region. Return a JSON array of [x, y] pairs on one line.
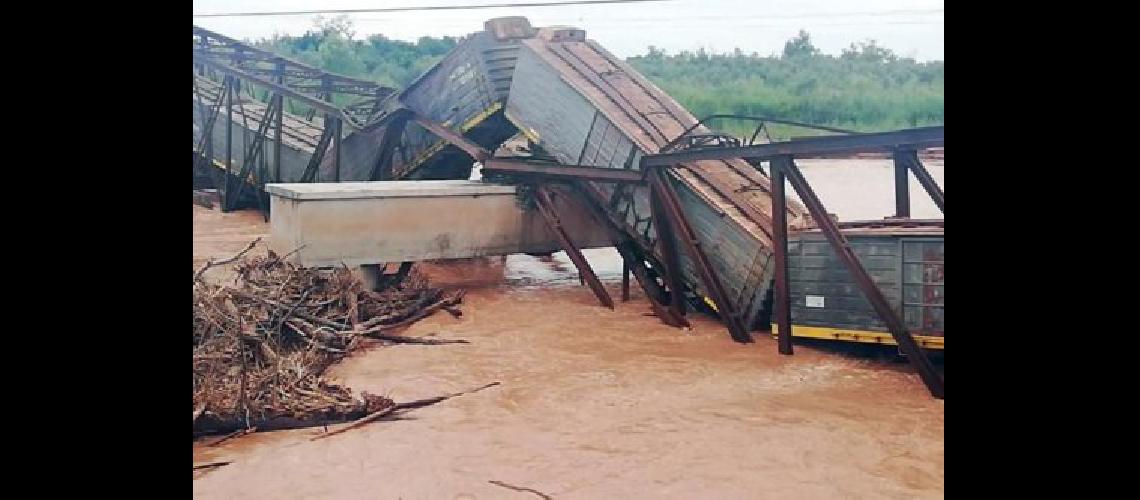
[[652, 119], [885, 227]]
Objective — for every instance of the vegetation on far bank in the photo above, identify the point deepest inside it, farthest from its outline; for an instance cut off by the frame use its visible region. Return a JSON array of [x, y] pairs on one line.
[[867, 87]]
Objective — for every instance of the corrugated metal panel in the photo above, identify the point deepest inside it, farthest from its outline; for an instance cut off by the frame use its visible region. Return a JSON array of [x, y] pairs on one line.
[[908, 270], [924, 284], [465, 91], [550, 113]]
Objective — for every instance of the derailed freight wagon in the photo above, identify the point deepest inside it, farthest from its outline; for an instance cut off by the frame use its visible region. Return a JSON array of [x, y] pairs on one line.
[[580, 105], [465, 92], [906, 259]]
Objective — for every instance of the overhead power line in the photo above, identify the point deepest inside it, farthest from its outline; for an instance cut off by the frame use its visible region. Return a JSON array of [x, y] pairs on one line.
[[409, 9], [592, 19]]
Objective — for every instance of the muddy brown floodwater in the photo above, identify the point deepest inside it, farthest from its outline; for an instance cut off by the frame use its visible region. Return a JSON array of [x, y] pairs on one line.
[[602, 404]]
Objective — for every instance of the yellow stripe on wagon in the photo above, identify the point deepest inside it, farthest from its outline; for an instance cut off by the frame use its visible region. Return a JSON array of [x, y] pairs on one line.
[[864, 336]]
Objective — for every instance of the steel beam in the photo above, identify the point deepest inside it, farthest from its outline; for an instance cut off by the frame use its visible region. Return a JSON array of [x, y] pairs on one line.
[[546, 207], [313, 168], [455, 138], [675, 216], [280, 125], [902, 186], [667, 241], [254, 153], [624, 281], [934, 382], [941, 223], [783, 302], [910, 159], [310, 101], [336, 148], [630, 254], [653, 293], [762, 119], [242, 52], [915, 138], [601, 205], [394, 128], [558, 171], [210, 117], [229, 140]]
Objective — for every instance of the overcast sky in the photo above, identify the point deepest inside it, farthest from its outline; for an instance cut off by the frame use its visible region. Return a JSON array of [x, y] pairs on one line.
[[913, 28]]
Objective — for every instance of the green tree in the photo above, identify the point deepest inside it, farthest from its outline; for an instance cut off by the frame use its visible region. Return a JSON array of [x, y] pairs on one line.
[[867, 87], [800, 46]]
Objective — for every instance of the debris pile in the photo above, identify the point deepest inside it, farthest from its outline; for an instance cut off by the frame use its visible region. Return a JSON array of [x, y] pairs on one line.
[[262, 343]]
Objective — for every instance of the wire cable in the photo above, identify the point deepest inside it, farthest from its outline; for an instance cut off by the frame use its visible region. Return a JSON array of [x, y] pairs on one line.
[[433, 7]]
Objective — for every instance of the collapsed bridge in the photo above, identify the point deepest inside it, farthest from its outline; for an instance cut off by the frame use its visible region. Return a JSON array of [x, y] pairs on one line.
[[696, 231]]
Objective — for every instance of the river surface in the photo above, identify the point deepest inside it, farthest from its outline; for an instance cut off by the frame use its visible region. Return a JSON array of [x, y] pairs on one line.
[[604, 404]]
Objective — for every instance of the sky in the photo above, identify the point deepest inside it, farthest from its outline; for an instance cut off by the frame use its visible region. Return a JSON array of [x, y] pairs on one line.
[[912, 28]]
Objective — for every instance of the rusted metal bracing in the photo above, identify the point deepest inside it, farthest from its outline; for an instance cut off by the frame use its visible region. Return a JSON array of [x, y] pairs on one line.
[[763, 120], [252, 155], [456, 139], [624, 281], [675, 218], [209, 112], [336, 133], [783, 304], [310, 174], [549, 170], [907, 159], [225, 189], [667, 242], [915, 138], [389, 143], [545, 207], [631, 254], [902, 186], [634, 259]]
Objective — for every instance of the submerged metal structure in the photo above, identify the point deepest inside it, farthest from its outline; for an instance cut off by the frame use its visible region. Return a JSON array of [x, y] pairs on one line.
[[260, 117], [695, 217], [904, 145]]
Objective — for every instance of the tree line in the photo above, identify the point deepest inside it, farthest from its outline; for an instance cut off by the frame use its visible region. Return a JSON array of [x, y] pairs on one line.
[[866, 87]]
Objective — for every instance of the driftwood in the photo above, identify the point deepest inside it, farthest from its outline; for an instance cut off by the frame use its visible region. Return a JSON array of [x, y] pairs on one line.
[[214, 263], [213, 425], [414, 340], [520, 488], [211, 465], [419, 403], [262, 343], [232, 435], [357, 423]]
